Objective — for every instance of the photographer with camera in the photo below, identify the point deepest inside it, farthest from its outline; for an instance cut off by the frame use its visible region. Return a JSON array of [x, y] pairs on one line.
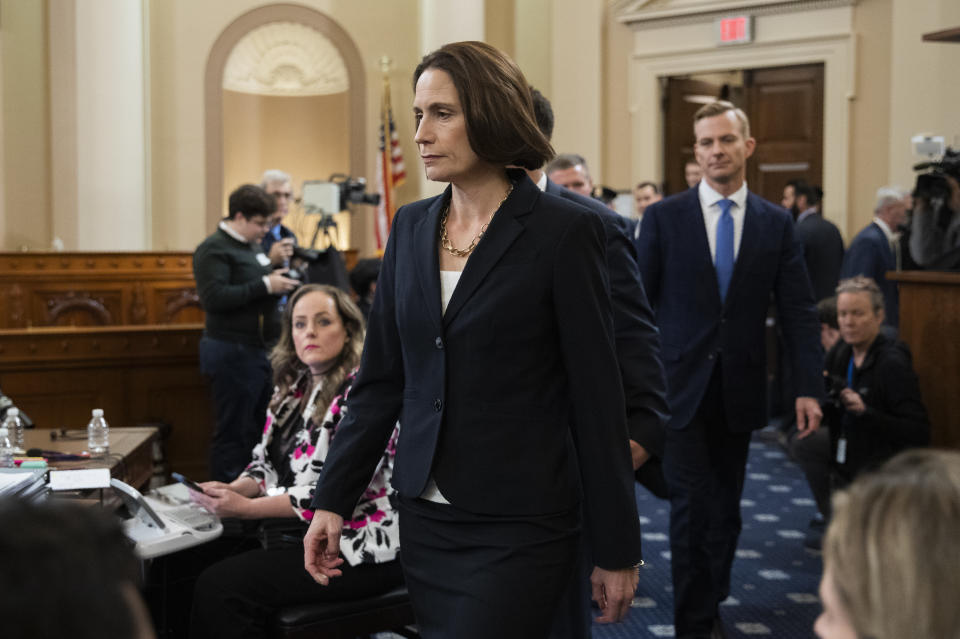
[[238, 291], [935, 229], [874, 408]]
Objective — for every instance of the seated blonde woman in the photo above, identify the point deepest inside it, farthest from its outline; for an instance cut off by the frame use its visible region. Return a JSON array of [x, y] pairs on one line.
[[892, 552], [314, 365]]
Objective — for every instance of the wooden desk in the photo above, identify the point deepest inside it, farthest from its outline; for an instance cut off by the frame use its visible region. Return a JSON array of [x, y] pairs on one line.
[[130, 459]]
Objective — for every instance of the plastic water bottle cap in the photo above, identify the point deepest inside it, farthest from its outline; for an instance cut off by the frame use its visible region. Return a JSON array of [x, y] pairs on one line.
[[13, 412], [98, 412]]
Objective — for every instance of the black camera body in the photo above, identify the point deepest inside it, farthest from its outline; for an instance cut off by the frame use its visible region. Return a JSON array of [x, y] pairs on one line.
[[354, 191], [305, 254], [932, 184], [834, 386]]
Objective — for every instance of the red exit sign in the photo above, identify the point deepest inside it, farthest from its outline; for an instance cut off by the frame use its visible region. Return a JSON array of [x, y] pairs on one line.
[[734, 29]]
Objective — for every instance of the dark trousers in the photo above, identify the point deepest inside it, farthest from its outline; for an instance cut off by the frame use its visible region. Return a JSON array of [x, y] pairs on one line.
[[574, 619], [813, 456], [236, 597], [478, 576], [704, 465], [240, 386]]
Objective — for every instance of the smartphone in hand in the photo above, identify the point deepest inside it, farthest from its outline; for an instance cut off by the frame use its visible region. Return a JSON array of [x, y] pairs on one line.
[[192, 485]]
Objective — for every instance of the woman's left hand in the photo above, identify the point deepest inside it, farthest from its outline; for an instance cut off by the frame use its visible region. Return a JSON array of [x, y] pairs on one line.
[[223, 502], [613, 591]]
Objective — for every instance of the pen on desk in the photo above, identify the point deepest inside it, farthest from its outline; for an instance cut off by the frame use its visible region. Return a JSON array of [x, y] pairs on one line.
[[55, 455]]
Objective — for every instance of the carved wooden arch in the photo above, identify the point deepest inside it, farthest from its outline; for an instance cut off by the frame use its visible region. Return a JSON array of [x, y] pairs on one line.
[[180, 300], [213, 89], [73, 301]]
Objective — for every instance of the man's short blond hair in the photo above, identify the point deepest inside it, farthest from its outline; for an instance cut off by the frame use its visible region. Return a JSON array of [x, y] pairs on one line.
[[719, 108]]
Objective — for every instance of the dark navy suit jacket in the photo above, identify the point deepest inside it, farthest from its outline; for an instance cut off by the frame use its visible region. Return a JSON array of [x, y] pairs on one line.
[[870, 254], [823, 252], [512, 390], [635, 331], [696, 328]]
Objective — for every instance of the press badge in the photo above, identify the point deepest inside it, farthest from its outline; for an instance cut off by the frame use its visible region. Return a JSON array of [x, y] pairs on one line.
[[842, 450]]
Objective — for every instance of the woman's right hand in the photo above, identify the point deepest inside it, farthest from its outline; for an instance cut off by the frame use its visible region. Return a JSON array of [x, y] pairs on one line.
[[321, 546], [214, 484]]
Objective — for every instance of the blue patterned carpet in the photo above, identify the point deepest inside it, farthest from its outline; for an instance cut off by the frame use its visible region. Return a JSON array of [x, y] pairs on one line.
[[775, 579]]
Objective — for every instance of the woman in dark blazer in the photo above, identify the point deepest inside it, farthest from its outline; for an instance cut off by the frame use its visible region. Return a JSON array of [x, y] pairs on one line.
[[490, 338]]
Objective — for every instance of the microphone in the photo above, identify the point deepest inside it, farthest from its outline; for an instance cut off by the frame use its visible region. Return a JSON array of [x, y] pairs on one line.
[[56, 455]]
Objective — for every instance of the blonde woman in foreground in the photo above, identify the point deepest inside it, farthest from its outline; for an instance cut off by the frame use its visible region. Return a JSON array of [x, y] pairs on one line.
[[892, 552]]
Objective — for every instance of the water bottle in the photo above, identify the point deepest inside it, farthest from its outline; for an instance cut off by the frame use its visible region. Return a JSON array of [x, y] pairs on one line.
[[98, 434], [6, 449], [14, 426]]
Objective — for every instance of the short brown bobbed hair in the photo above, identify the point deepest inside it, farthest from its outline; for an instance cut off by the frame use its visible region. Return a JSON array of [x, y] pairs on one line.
[[892, 547], [497, 106]]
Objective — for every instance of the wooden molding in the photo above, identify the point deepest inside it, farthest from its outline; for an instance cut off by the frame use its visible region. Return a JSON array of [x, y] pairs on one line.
[[947, 35], [63, 346], [44, 289]]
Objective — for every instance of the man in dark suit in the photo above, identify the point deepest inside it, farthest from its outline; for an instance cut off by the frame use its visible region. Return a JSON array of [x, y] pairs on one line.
[[874, 250], [710, 258], [821, 240], [638, 353]]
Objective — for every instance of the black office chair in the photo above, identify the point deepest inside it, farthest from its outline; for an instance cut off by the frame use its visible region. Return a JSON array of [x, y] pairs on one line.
[[388, 612]]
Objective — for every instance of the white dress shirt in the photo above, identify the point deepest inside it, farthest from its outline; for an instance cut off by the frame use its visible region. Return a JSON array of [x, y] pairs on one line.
[[891, 236], [542, 182], [711, 215]]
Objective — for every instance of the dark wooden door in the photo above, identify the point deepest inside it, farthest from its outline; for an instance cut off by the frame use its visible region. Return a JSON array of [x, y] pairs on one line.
[[683, 96], [785, 105]]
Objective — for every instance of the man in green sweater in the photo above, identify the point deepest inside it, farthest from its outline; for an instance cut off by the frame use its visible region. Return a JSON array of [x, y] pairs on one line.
[[238, 291]]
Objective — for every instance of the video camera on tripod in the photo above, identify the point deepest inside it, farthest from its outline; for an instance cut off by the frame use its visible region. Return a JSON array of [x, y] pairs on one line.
[[325, 199]]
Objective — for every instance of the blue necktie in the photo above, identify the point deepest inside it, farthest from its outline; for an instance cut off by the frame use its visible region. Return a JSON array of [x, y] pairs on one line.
[[724, 249]]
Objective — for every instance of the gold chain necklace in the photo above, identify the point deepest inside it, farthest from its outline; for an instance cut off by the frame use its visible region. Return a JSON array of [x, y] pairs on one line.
[[448, 246]]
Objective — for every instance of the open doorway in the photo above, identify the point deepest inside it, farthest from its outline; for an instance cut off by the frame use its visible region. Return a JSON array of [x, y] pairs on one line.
[[785, 106]]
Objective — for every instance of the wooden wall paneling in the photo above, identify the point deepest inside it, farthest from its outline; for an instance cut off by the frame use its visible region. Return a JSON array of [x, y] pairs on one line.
[[175, 304], [64, 398], [136, 374], [96, 304], [930, 325], [96, 289], [176, 395]]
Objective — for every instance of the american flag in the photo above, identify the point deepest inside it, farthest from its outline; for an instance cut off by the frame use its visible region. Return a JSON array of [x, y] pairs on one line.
[[390, 170]]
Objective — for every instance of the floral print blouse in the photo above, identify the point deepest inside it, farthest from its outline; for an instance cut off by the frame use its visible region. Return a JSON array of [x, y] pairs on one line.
[[372, 534]]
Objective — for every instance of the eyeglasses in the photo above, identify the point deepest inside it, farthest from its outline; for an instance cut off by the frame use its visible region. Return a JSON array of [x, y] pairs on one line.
[[284, 194]]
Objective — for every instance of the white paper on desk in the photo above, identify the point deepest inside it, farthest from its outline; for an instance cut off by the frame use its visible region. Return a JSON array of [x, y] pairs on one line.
[[80, 479]]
